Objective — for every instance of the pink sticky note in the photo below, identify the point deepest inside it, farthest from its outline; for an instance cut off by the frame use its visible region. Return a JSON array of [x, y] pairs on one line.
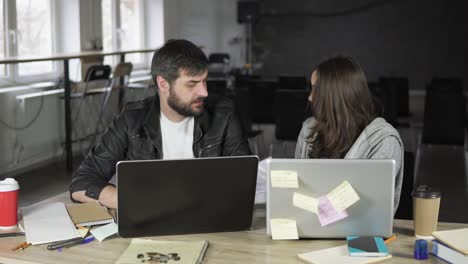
[[327, 214]]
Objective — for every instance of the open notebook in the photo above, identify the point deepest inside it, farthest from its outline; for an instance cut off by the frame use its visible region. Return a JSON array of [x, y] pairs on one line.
[[88, 214]]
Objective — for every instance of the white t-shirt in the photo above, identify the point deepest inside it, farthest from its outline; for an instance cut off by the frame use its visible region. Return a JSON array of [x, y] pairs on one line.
[[177, 138]]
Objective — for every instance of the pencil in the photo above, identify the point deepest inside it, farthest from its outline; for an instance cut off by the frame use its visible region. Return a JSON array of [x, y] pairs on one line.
[[20, 246], [390, 239], [25, 246]]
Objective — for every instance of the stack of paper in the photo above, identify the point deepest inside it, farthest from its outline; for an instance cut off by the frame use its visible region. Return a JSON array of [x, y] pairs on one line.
[[456, 239], [260, 192], [451, 245], [46, 223]]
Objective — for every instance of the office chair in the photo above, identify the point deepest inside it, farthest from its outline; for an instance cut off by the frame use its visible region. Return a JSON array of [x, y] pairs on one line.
[[243, 106], [401, 87], [444, 116], [441, 150], [448, 85], [118, 83], [385, 99], [263, 98], [290, 111], [219, 64], [217, 86], [292, 82], [96, 80]]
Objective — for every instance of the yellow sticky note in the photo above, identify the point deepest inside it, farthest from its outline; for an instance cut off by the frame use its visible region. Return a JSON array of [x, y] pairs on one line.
[[83, 231], [305, 202], [282, 229], [284, 179], [343, 196]]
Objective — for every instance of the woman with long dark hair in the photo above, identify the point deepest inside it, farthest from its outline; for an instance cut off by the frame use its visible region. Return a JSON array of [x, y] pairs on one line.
[[344, 123]]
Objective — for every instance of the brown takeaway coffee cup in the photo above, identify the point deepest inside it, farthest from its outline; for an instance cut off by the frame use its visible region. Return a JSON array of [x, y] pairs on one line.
[[426, 202]]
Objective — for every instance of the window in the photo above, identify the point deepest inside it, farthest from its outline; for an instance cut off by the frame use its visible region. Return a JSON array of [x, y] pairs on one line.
[[26, 30], [2, 40], [34, 36], [130, 25], [122, 28]]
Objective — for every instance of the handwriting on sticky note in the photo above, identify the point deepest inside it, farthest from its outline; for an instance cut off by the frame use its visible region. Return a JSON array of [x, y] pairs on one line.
[[305, 202], [343, 196], [103, 232], [284, 179], [283, 229], [327, 214]]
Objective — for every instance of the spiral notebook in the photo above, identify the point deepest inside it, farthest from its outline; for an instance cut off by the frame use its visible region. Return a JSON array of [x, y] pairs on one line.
[[88, 214]]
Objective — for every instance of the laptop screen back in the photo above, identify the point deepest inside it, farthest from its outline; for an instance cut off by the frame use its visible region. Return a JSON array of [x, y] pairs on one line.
[[372, 180], [168, 197]]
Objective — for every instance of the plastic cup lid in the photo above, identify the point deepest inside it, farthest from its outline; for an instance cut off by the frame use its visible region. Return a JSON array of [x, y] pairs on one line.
[[9, 184], [424, 191]]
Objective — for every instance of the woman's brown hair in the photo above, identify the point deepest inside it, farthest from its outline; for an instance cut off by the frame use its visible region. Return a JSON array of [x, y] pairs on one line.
[[342, 106]]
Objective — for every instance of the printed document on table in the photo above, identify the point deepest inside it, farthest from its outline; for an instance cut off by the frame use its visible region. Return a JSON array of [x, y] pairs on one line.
[[47, 222]]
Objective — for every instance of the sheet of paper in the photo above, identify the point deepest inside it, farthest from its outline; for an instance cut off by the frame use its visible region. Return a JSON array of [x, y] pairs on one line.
[[188, 252], [46, 223], [327, 214], [105, 231], [343, 196], [305, 202], [283, 229], [284, 179], [260, 193]]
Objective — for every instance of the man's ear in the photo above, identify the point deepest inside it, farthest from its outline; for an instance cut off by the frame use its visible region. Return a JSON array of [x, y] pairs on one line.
[[163, 84]]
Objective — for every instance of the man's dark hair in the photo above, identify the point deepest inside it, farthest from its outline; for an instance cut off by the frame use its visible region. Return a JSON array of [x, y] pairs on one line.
[[176, 55]]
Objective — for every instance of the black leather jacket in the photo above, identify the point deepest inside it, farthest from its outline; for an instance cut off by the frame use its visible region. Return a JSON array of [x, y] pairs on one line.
[[135, 134]]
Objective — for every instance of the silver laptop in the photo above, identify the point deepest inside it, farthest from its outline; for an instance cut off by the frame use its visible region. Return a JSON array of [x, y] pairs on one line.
[[372, 180]]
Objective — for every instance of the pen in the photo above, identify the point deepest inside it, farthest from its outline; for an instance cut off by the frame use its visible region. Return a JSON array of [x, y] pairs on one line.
[[390, 239], [84, 241], [63, 243]]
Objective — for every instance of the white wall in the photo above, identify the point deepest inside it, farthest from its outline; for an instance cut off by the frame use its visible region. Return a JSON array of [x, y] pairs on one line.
[[39, 142]]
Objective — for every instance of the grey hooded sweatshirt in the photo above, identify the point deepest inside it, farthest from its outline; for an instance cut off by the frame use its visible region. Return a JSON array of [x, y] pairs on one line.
[[379, 140]]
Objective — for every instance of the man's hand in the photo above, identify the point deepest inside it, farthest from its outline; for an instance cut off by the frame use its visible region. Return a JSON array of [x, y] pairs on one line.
[[107, 197]]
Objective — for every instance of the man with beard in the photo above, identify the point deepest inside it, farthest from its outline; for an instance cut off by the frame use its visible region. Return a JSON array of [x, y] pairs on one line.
[[179, 123]]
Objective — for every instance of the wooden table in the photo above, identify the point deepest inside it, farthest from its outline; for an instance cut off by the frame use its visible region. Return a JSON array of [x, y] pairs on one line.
[[233, 247], [66, 82]]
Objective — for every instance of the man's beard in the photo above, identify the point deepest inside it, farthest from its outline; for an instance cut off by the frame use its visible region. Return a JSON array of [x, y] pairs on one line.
[[184, 109]]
